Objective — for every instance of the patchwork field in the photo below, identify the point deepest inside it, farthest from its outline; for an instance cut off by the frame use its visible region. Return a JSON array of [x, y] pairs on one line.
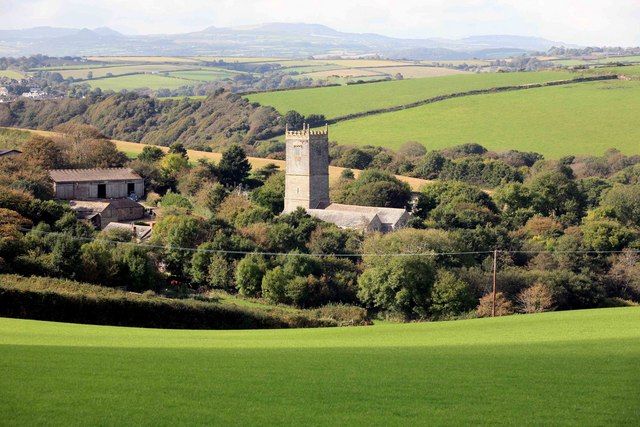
[[417, 71], [11, 74], [584, 118], [204, 75], [578, 368], [137, 81], [81, 73], [338, 101]]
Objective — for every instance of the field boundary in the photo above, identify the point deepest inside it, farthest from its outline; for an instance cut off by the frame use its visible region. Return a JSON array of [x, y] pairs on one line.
[[439, 98]]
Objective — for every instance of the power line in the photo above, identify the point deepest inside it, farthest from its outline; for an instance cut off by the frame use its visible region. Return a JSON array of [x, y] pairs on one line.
[[321, 255]]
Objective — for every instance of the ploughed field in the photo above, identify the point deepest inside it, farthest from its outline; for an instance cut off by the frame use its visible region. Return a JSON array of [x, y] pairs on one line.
[[578, 119], [578, 367]]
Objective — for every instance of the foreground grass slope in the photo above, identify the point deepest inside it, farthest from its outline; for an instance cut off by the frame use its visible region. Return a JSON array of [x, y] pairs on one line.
[[341, 100], [583, 118], [576, 367]]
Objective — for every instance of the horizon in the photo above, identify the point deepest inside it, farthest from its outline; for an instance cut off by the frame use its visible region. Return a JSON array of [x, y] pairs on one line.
[[590, 25]]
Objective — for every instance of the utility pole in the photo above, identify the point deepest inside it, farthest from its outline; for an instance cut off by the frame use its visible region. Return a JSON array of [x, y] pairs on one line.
[[493, 303]]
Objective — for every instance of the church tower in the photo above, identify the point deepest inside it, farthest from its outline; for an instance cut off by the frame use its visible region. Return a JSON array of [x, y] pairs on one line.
[[307, 169]]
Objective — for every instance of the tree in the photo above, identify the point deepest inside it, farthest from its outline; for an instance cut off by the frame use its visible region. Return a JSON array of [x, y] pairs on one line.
[[503, 305], [293, 120], [624, 200], [43, 152], [451, 296], [271, 194], [430, 166], [220, 273], [173, 165], [249, 273], [399, 284], [97, 263], [179, 233], [178, 148], [150, 154], [412, 149], [375, 188], [233, 167], [535, 299], [214, 195]]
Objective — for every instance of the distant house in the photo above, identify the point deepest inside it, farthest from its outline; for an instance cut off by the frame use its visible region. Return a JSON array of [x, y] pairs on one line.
[[103, 212], [113, 183], [9, 152]]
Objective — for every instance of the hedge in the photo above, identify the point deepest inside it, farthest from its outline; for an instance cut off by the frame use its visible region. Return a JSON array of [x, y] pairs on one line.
[[60, 300]]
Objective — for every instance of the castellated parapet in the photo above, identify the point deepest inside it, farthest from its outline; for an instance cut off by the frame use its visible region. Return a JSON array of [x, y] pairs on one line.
[[307, 169]]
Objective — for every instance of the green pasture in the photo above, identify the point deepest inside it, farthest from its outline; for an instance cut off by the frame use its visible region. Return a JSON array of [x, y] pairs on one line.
[[338, 101], [99, 72], [582, 118], [564, 368], [204, 75], [11, 74], [138, 81]]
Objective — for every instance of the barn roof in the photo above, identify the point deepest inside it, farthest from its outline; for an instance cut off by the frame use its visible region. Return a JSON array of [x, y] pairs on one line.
[[89, 175], [4, 151]]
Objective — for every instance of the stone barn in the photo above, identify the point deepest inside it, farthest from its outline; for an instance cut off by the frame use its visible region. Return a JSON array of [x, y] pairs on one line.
[[112, 183], [103, 212]]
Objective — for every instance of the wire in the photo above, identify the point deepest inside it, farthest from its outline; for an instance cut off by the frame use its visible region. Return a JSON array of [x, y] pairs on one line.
[[347, 255]]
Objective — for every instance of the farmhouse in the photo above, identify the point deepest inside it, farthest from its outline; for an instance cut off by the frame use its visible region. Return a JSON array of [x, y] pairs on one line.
[[103, 212], [307, 186], [111, 183]]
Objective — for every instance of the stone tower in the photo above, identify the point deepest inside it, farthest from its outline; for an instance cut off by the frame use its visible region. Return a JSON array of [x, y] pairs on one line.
[[307, 169]]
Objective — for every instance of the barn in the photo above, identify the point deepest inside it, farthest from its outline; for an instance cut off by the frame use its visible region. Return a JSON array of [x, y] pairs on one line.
[[109, 183]]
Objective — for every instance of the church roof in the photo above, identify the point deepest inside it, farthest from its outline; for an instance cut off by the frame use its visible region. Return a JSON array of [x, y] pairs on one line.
[[345, 219], [386, 215]]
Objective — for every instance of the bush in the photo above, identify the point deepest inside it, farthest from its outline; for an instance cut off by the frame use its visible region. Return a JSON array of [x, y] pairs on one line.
[[249, 273], [535, 299], [503, 305], [344, 315], [451, 296]]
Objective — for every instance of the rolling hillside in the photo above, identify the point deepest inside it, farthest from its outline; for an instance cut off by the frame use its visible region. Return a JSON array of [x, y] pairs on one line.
[[584, 118], [343, 100], [578, 368]]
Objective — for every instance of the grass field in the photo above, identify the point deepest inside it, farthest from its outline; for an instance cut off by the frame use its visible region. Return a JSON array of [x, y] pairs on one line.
[[584, 118], [565, 368], [138, 81], [11, 74], [204, 75], [417, 71], [338, 101], [98, 72]]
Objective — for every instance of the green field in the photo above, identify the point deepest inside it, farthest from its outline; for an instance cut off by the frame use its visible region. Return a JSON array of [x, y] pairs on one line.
[[583, 118], [11, 74], [81, 73], [578, 368], [138, 81], [338, 101], [204, 75]]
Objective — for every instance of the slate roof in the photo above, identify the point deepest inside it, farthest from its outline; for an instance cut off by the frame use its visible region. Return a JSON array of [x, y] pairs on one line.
[[387, 215], [99, 205], [4, 151], [141, 231], [89, 175], [344, 219]]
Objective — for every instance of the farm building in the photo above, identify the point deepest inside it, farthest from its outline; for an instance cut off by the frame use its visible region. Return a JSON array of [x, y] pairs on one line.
[[103, 212], [307, 186], [9, 153], [141, 232], [111, 183]]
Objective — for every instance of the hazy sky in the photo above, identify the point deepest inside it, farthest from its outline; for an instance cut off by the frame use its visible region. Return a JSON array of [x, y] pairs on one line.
[[587, 22]]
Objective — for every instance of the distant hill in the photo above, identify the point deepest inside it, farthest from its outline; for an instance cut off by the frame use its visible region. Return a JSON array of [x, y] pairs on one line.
[[269, 39]]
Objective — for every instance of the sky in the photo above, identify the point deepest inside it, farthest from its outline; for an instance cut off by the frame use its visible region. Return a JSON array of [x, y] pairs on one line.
[[584, 22]]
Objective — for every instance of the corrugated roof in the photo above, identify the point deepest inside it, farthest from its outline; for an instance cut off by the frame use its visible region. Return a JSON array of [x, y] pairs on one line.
[[386, 215], [88, 175], [141, 231], [7, 151]]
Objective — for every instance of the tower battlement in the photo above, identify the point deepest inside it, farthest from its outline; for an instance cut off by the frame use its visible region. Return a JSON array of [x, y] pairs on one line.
[[306, 131]]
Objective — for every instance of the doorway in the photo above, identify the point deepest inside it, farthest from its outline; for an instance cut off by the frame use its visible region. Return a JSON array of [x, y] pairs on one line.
[[102, 191]]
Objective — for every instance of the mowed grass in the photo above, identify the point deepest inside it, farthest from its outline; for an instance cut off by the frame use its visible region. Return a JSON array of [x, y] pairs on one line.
[[582, 118], [578, 368], [339, 101], [138, 81]]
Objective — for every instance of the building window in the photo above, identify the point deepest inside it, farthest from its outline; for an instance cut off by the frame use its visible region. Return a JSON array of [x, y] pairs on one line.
[[297, 151]]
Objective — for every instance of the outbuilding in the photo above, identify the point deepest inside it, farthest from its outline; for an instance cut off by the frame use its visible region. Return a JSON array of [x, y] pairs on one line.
[[111, 183]]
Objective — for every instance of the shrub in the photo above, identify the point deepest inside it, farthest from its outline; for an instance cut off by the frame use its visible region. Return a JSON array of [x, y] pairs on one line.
[[451, 296], [535, 299], [249, 273], [503, 305]]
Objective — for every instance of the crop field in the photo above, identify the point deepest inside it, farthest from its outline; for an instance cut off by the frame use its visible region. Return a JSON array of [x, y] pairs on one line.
[[154, 59], [11, 74], [344, 72], [138, 81], [204, 75], [338, 101], [416, 71], [583, 118], [99, 72], [578, 368]]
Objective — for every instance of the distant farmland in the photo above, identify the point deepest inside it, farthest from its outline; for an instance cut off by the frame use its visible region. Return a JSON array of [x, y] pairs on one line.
[[138, 81], [342, 100], [583, 118]]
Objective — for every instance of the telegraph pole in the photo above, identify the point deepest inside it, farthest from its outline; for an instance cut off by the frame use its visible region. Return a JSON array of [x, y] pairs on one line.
[[493, 302]]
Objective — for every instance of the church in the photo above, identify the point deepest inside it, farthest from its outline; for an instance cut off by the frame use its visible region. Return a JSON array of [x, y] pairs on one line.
[[307, 186]]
